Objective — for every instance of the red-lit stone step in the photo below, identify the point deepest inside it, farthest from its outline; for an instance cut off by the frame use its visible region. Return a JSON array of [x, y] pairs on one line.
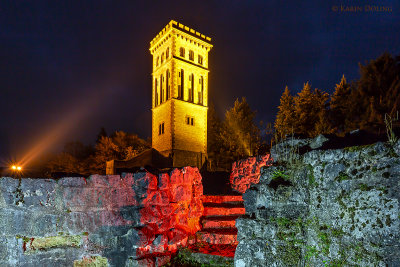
[[223, 209], [214, 249], [228, 217], [222, 199], [218, 236], [219, 221]]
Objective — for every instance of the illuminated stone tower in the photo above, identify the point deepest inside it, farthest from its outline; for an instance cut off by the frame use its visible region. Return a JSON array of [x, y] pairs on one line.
[[180, 94]]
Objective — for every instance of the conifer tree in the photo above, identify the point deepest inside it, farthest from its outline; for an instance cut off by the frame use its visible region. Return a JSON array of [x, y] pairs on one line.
[[285, 119], [240, 134], [310, 112], [304, 107], [377, 90], [339, 106], [322, 123]]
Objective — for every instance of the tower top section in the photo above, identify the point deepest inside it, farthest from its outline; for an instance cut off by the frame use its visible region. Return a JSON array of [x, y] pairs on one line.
[[176, 28]]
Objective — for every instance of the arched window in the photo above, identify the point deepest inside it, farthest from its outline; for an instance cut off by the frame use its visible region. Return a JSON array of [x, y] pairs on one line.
[[158, 59], [162, 58], [200, 60], [182, 52], [201, 91], [181, 84], [155, 93], [161, 89], [168, 85], [191, 55], [167, 53], [191, 89]]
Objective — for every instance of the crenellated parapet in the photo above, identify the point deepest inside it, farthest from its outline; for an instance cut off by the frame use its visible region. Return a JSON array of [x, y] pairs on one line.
[[178, 29]]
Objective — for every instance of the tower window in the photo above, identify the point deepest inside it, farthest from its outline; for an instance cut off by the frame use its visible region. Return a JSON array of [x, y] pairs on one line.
[[161, 128], [161, 89], [189, 120], [158, 59], [200, 60], [168, 85], [167, 53], [162, 58], [191, 89], [181, 84], [182, 52], [191, 55], [155, 93], [201, 92]]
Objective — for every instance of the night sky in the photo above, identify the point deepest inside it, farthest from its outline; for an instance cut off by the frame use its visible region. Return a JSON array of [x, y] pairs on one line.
[[68, 68]]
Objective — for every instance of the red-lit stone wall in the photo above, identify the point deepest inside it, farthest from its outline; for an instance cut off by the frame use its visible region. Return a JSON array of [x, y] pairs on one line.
[[137, 219], [247, 171]]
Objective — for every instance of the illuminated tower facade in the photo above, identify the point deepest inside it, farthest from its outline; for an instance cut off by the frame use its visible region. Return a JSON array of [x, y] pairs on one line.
[[180, 94]]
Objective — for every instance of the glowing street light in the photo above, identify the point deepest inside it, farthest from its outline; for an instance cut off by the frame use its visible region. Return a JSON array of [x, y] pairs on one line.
[[16, 168]]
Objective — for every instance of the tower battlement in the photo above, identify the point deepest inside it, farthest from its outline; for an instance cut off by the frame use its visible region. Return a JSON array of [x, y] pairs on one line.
[[155, 43]]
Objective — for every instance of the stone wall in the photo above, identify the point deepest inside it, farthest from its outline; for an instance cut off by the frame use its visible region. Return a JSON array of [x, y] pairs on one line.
[[137, 219], [246, 172], [334, 207]]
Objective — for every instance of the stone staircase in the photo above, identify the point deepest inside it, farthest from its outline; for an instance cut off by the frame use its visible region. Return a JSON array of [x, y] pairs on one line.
[[218, 235]]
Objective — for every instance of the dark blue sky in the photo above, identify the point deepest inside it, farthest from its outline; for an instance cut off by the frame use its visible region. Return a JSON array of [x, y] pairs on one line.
[[86, 64]]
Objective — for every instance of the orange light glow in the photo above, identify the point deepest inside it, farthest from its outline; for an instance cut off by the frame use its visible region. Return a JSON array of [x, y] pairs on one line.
[[13, 167], [19, 168], [89, 104]]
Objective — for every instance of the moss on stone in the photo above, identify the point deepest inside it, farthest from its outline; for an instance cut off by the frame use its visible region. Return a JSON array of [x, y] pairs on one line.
[[290, 254], [388, 221], [280, 174], [325, 242], [364, 187], [185, 257], [44, 243], [357, 148], [311, 177], [310, 252], [379, 222], [342, 176], [93, 261]]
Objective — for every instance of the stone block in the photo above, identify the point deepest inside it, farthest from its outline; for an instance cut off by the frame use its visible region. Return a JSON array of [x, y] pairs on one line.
[[72, 182], [98, 181], [180, 193], [163, 181], [176, 177], [145, 181], [157, 197], [130, 262]]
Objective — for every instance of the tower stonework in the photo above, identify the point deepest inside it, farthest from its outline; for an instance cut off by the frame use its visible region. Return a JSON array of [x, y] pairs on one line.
[[180, 94]]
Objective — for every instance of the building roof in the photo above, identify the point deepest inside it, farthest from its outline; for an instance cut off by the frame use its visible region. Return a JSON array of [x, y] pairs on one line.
[[148, 158]]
